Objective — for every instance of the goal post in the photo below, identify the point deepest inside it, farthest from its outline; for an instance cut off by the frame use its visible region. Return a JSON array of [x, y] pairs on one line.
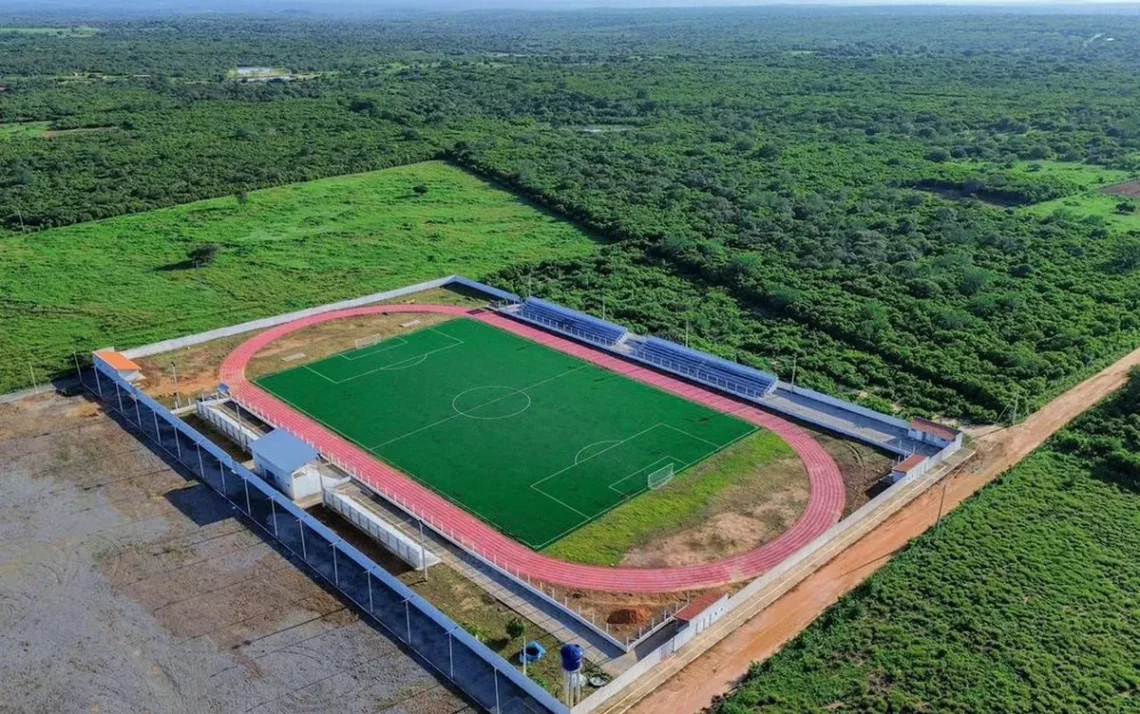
[[369, 341], [657, 479]]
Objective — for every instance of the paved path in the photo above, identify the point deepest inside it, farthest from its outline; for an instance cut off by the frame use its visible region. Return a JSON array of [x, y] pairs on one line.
[[824, 507]]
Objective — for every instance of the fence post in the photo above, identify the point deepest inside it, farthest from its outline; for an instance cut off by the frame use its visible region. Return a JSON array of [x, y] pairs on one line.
[[201, 466], [304, 553], [498, 707], [178, 446], [138, 414], [273, 514], [450, 658], [408, 619], [99, 382], [371, 607], [336, 571], [248, 507], [222, 471], [157, 433]]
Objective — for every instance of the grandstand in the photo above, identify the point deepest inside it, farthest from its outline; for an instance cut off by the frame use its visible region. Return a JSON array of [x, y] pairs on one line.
[[705, 368], [570, 322]]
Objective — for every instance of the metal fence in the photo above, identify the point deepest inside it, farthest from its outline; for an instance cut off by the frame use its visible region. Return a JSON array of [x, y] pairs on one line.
[[477, 671]]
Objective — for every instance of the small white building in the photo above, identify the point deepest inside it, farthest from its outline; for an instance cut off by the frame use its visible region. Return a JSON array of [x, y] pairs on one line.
[[931, 432], [288, 463]]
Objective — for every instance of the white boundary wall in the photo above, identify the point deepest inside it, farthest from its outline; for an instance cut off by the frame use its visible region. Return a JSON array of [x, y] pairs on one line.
[[267, 322], [240, 434], [383, 533]]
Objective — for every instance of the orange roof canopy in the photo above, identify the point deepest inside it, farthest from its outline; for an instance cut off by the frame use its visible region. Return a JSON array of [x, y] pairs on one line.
[[118, 361]]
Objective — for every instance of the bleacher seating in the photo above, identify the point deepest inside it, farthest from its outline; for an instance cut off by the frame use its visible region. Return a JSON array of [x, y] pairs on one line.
[[705, 368], [570, 322]]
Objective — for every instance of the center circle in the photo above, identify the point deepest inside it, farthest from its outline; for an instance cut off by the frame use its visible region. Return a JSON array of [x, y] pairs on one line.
[[491, 402]]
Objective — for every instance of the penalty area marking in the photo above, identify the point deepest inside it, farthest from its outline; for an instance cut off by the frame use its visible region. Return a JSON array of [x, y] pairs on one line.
[[413, 361], [578, 456], [374, 349]]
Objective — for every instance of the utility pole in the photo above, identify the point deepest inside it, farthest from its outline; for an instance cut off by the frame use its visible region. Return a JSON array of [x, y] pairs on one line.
[[942, 500], [177, 393]]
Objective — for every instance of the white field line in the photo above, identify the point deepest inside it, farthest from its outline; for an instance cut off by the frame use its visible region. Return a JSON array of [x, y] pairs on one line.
[[385, 346], [524, 390], [456, 343]]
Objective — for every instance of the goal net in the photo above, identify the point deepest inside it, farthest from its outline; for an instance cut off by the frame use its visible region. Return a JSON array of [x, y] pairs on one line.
[[660, 477], [369, 341]]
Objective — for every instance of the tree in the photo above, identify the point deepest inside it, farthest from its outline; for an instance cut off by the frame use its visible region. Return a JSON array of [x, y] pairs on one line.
[[515, 628], [203, 254], [1125, 207], [420, 189]]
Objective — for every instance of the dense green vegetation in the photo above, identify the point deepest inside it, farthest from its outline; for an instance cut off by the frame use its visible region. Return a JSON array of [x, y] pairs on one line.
[[1024, 600], [828, 177], [131, 280]]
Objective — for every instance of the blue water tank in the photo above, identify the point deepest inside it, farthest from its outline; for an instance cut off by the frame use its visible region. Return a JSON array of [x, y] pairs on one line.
[[571, 658]]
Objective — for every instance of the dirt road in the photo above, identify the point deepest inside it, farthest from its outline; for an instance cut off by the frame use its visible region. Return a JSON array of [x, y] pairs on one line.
[[721, 667]]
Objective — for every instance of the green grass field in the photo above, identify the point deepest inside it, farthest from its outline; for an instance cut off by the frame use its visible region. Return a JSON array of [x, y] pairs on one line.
[[1093, 204], [25, 128], [533, 441], [126, 281]]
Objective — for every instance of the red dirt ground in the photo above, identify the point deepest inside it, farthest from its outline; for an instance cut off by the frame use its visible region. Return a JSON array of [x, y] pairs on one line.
[[823, 510]]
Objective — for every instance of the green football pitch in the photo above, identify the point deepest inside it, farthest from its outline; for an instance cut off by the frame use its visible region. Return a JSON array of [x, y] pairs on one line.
[[533, 441]]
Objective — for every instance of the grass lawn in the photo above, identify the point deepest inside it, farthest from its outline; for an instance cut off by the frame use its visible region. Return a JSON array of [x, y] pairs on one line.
[[126, 281], [1092, 204], [680, 504], [1080, 176], [20, 129], [535, 442]]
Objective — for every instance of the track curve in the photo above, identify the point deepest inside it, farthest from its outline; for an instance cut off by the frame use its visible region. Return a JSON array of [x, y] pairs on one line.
[[824, 507]]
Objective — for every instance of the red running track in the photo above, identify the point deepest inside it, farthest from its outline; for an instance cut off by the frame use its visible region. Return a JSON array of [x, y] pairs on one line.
[[823, 509]]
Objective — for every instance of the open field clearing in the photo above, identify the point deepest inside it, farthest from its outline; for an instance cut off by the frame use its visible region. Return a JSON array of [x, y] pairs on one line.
[[1094, 204], [76, 31], [128, 281], [162, 600], [23, 129]]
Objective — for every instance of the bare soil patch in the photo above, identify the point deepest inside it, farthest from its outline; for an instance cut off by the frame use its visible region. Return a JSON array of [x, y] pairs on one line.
[[739, 519], [1128, 189], [860, 465], [197, 367], [163, 601]]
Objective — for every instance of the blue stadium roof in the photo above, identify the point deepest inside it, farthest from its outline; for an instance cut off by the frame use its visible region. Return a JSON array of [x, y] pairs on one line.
[[283, 452]]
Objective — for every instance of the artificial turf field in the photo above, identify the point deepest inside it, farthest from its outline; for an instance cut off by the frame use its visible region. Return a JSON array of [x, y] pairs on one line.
[[533, 441]]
